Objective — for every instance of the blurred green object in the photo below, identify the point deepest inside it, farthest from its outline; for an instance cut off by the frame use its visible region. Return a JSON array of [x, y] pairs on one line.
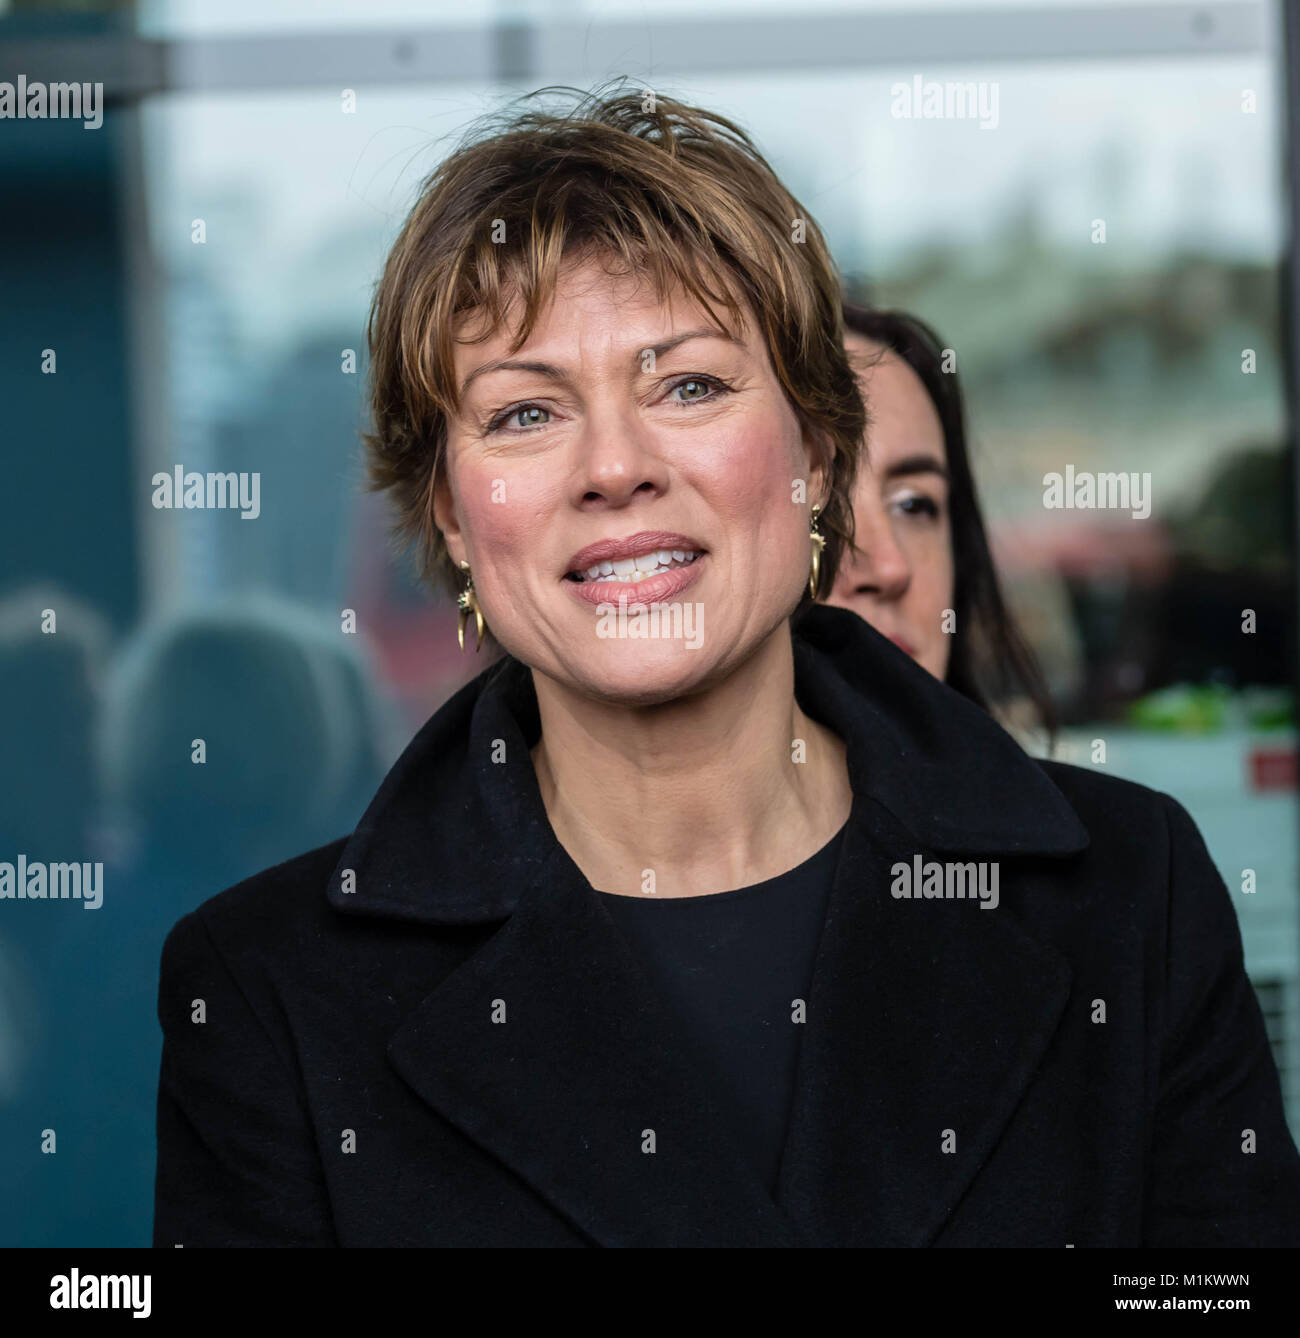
[[1183, 709], [1269, 708], [1187, 708]]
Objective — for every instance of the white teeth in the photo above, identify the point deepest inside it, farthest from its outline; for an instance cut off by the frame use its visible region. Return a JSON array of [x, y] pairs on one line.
[[629, 570]]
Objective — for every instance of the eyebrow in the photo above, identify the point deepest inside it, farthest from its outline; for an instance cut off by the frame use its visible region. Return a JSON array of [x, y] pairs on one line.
[[917, 464], [554, 373]]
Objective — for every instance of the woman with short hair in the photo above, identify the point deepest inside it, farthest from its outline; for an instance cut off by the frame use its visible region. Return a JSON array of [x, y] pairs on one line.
[[705, 916]]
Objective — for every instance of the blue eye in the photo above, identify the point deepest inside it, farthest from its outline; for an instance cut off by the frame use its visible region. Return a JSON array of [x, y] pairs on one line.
[[714, 385], [525, 416]]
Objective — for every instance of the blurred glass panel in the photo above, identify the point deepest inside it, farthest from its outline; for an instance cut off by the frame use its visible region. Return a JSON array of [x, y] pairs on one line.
[[295, 202]]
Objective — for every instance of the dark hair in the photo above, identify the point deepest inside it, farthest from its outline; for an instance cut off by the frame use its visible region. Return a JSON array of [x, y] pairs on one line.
[[990, 658]]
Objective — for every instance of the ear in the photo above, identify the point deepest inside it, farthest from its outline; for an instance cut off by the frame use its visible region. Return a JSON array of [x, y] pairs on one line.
[[444, 516], [818, 447]]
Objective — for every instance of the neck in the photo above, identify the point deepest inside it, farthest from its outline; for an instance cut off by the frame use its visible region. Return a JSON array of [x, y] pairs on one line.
[[707, 791]]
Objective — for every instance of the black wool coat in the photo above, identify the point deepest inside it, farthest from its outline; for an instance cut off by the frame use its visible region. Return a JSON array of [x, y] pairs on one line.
[[1084, 1064]]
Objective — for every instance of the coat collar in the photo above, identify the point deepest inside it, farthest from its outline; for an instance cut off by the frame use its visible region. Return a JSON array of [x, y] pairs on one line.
[[458, 828]]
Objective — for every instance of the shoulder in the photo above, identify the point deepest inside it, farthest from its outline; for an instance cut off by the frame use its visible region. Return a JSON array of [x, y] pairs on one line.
[[277, 909], [1144, 847], [1112, 808]]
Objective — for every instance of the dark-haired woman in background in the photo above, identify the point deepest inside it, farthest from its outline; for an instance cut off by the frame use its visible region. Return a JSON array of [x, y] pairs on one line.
[[920, 548]]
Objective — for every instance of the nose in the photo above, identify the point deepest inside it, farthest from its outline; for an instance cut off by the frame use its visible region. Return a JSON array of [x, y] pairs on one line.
[[877, 566], [616, 461]]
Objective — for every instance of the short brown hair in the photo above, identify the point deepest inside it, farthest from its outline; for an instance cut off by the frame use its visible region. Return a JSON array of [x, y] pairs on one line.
[[670, 191]]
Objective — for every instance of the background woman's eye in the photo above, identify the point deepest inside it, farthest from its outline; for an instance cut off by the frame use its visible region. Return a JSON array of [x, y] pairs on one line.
[[916, 505]]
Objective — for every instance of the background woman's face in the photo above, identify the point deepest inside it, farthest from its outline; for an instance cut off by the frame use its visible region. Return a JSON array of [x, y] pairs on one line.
[[581, 437], [900, 576]]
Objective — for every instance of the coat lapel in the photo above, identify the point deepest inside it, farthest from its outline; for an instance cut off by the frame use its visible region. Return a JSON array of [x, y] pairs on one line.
[[569, 1087], [924, 1016]]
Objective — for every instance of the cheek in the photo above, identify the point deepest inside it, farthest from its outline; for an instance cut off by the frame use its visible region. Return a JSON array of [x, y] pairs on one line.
[[947, 567], [505, 515], [747, 475], [942, 596], [941, 567], [930, 556]]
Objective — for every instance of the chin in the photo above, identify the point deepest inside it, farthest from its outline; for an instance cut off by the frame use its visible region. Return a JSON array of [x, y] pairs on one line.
[[634, 673]]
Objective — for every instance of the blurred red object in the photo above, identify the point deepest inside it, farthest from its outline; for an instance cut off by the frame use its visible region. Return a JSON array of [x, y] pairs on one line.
[[1085, 548], [1272, 768]]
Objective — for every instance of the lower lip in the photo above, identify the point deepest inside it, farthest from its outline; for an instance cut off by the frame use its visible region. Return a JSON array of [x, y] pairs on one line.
[[656, 589], [903, 646]]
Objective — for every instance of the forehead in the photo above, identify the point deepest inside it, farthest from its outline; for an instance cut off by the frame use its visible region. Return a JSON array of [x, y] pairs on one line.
[[863, 351], [596, 306], [887, 376], [902, 414]]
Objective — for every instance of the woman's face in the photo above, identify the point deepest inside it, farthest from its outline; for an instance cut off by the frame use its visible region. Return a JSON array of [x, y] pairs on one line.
[[625, 417], [900, 575]]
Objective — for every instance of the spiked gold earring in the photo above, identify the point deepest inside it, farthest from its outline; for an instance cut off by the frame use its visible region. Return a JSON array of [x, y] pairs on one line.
[[467, 603], [818, 543]]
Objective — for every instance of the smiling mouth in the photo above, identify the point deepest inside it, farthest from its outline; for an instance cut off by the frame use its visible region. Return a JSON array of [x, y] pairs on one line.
[[630, 570]]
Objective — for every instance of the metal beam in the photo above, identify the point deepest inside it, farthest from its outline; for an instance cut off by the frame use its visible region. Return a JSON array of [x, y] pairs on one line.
[[1289, 61], [575, 51]]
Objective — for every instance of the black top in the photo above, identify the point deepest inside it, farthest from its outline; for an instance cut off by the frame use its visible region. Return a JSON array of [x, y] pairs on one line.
[[730, 966]]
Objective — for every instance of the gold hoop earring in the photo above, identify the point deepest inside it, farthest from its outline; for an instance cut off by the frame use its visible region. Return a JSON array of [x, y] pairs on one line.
[[467, 603], [818, 543]]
